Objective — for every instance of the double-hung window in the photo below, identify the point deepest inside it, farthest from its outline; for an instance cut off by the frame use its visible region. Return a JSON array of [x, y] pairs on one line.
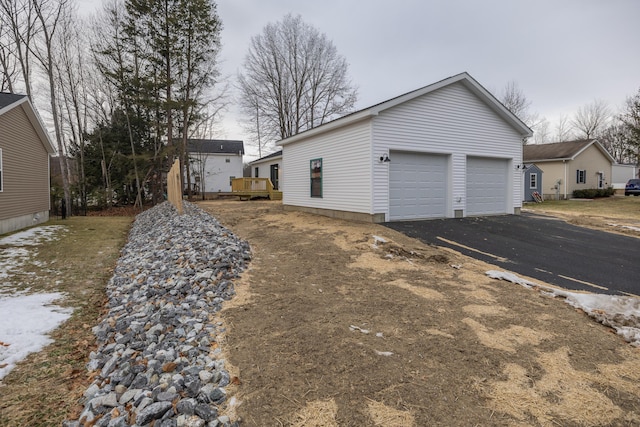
[[316, 177], [581, 176]]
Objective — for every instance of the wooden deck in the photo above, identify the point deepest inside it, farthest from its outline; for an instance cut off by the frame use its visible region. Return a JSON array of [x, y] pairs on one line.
[[252, 188]]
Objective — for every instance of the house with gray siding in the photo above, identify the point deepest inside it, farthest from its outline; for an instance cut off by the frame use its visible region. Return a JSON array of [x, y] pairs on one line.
[[446, 150], [25, 149], [532, 182]]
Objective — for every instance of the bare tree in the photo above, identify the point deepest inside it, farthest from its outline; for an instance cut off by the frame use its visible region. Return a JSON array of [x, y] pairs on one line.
[[564, 130], [542, 133], [18, 28], [293, 79], [71, 70], [591, 119], [615, 139], [49, 14], [630, 117], [514, 99]]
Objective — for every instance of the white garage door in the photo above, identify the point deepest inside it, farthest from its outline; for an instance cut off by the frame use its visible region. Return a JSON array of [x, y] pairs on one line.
[[486, 186], [417, 186]]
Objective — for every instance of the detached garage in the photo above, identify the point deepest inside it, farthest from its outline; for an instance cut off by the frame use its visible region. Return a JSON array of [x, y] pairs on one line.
[[446, 150]]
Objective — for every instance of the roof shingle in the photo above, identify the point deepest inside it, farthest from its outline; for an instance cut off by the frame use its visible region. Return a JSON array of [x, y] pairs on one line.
[[554, 151], [215, 146]]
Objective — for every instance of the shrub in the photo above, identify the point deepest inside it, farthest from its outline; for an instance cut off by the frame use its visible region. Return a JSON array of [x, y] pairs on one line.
[[592, 193]]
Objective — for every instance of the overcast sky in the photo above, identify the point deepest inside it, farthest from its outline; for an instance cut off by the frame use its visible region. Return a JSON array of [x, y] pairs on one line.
[[562, 53]]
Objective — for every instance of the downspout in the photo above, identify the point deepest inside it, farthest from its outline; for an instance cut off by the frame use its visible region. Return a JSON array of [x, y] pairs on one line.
[[565, 179]]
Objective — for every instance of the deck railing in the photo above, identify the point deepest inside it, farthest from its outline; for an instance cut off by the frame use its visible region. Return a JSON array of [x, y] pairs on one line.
[[251, 184], [254, 187]]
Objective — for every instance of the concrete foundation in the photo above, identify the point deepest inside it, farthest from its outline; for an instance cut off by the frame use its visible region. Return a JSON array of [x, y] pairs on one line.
[[351, 216], [17, 223]]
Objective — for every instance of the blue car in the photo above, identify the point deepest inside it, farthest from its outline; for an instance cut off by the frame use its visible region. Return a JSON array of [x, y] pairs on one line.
[[632, 188]]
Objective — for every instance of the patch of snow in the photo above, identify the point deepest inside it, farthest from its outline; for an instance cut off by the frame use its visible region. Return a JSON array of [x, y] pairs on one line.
[[384, 353], [33, 236], [25, 320], [11, 259], [24, 324], [378, 239], [628, 227], [356, 328], [621, 313]]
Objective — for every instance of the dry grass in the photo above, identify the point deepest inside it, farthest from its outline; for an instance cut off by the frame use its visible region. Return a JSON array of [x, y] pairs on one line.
[[609, 207], [44, 389], [321, 413]]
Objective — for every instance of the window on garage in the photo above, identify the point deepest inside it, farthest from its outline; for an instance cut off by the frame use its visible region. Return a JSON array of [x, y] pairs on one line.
[[581, 176], [316, 177], [533, 181]]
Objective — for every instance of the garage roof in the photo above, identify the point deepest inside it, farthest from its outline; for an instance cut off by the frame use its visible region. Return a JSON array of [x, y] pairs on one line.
[[464, 78]]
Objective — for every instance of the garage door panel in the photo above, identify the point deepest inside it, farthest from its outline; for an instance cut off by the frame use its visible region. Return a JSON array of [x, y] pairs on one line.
[[417, 186], [486, 186]]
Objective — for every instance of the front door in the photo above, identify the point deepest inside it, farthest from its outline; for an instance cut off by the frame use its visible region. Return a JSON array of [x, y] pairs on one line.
[[274, 176], [600, 180]]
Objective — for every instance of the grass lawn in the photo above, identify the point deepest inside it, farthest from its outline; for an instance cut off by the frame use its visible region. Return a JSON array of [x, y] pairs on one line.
[[609, 207], [44, 389]]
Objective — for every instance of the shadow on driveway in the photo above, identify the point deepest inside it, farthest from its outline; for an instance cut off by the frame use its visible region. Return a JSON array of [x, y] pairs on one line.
[[544, 248]]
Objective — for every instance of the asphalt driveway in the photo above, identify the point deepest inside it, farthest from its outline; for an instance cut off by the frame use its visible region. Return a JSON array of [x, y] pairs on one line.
[[545, 248]]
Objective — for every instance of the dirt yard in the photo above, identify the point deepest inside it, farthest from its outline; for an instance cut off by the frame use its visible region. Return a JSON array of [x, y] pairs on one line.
[[339, 323]]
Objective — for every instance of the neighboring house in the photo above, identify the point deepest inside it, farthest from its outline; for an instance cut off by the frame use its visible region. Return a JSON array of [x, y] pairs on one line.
[[25, 148], [214, 163], [570, 165], [269, 167], [620, 174], [532, 181], [450, 149]]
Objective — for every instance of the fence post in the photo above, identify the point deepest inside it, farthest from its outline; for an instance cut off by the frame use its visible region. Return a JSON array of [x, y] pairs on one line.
[[174, 186]]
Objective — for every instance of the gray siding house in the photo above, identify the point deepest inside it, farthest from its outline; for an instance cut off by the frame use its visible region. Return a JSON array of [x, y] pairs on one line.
[[450, 149], [532, 182], [25, 149]]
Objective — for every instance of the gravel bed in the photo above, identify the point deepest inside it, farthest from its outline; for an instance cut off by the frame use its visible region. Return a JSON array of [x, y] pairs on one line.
[[156, 364]]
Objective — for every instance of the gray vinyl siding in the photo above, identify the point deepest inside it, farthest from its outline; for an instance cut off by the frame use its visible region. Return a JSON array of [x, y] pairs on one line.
[[451, 121], [346, 170], [25, 167]]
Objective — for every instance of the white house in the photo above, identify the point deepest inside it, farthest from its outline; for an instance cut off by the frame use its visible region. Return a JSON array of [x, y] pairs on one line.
[[214, 163], [450, 149], [269, 167], [620, 174]]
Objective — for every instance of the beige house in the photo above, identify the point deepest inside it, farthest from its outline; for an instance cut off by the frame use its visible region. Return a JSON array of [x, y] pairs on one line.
[[25, 148], [570, 165]]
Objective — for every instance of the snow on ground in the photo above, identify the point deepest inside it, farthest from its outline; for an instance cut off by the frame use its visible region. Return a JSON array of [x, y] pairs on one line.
[[25, 319], [628, 227], [33, 236], [621, 313], [25, 322]]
